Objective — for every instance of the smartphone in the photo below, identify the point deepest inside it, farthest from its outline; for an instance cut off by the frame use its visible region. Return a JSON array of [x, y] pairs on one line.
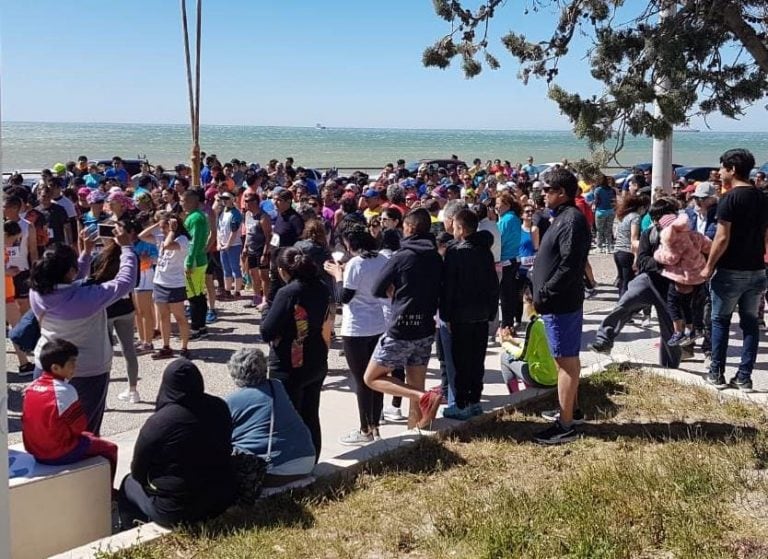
[[106, 230]]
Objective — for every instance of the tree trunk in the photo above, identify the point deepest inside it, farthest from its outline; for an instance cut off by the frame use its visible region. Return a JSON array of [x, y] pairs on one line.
[[733, 18]]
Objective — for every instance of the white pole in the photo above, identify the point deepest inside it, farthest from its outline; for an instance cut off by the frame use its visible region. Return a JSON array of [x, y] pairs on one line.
[[661, 174], [5, 520]]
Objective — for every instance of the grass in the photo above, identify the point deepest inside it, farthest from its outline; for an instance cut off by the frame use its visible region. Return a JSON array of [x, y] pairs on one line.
[[664, 470]]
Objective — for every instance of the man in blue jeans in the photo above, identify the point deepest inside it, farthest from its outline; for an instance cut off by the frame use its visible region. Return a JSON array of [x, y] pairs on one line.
[[736, 260]]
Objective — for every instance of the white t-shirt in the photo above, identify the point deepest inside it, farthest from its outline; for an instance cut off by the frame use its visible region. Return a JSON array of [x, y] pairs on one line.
[[68, 205], [224, 226], [18, 253], [169, 271], [364, 314]]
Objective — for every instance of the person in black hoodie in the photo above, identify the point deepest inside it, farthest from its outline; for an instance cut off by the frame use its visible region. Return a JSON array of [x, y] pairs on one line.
[[412, 279], [293, 327], [468, 302], [558, 295], [287, 230], [182, 469]]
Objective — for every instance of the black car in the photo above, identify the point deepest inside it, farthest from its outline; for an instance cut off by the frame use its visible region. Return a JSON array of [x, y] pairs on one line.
[[413, 166], [695, 174], [622, 176]]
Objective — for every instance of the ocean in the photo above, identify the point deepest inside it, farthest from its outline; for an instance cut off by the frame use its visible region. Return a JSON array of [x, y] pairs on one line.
[[36, 145]]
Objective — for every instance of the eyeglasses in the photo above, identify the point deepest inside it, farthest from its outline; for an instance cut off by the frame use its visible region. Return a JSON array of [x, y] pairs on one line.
[[528, 212]]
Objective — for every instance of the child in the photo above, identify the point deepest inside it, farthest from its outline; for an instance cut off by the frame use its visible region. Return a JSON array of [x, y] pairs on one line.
[[53, 422], [468, 303], [682, 253]]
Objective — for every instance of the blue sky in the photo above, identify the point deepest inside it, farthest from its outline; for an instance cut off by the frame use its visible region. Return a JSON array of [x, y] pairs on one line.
[[344, 63]]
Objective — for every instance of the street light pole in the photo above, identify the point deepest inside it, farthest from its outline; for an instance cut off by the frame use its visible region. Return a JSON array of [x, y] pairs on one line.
[[661, 173]]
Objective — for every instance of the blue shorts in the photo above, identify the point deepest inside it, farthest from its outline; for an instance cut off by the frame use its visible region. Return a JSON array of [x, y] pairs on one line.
[[564, 333], [396, 354]]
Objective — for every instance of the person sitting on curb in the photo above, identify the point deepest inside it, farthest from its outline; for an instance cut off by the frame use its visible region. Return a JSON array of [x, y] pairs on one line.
[[182, 461], [529, 361], [265, 423], [648, 288]]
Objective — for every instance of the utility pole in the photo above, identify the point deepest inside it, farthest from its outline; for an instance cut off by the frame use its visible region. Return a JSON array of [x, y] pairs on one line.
[[193, 92], [661, 174]]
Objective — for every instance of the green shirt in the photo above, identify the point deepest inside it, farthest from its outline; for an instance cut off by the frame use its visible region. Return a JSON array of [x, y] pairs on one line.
[[196, 225]]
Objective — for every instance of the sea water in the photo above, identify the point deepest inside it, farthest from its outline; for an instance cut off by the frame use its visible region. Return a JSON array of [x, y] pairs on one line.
[[28, 145]]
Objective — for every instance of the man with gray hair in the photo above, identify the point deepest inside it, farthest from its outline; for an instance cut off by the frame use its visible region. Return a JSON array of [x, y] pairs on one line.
[[264, 421]]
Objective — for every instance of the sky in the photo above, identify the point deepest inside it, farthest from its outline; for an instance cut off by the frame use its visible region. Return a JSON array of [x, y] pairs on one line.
[[342, 63]]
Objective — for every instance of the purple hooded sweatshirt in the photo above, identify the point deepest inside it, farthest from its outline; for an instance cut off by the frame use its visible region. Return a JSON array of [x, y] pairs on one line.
[[77, 313]]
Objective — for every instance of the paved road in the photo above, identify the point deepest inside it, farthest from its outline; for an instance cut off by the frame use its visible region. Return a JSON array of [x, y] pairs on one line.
[[238, 327]]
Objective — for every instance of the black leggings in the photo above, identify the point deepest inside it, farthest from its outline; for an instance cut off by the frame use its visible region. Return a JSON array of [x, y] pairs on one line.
[[679, 304], [624, 261], [304, 392], [511, 300], [358, 351]]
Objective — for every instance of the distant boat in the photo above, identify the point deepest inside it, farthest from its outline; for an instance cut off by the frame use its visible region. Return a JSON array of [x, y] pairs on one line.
[[320, 126], [687, 130]]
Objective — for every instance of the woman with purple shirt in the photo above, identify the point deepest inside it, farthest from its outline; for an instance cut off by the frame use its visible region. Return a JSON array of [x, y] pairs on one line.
[[67, 308]]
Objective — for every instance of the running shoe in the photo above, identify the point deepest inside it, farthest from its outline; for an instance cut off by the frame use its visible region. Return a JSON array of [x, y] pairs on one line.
[[717, 380], [185, 353], [557, 434], [355, 438], [646, 323], [676, 339], [554, 415], [211, 317], [476, 409], [26, 369], [393, 414], [199, 334], [600, 346], [745, 385], [455, 412], [130, 396], [143, 349]]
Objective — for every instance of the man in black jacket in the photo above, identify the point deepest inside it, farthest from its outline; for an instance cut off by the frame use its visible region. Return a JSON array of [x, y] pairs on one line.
[[558, 296], [286, 230], [468, 302], [412, 280], [648, 288]]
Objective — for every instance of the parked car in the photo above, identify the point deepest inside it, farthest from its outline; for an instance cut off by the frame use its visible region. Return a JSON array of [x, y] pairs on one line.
[[543, 169], [31, 178], [694, 174], [413, 166], [624, 174]]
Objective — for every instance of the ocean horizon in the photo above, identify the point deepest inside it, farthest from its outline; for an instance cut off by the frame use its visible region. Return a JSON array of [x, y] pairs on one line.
[[38, 145]]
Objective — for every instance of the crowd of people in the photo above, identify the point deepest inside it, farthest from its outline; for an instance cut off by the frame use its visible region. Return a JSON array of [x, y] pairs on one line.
[[455, 256]]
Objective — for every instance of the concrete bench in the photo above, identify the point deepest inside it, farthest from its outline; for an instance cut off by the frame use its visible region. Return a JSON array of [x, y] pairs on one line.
[[56, 508]]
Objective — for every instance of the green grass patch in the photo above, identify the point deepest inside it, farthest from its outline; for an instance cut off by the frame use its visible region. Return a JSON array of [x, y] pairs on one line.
[[664, 470]]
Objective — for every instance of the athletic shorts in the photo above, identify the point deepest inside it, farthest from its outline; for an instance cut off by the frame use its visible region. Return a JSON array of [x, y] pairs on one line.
[[254, 261], [564, 333], [164, 294], [196, 281], [214, 263], [396, 354], [21, 284]]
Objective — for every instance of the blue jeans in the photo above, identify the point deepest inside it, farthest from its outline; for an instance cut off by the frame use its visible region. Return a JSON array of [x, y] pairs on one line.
[[447, 366], [230, 261], [729, 288]]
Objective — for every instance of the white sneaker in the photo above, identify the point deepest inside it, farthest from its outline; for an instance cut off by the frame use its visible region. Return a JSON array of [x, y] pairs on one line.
[[130, 396], [356, 437], [393, 414]]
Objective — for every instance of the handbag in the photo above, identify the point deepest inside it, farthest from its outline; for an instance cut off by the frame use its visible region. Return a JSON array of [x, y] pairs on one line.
[[26, 333]]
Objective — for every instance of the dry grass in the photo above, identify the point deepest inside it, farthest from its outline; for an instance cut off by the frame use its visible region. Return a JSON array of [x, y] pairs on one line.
[[664, 470]]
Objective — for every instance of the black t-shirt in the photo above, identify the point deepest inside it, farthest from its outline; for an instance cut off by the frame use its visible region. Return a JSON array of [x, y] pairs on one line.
[[746, 209], [57, 220], [542, 221]]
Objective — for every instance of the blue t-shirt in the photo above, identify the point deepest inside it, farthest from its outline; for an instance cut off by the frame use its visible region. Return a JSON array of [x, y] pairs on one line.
[[604, 199], [251, 409], [120, 174], [510, 227], [527, 251]]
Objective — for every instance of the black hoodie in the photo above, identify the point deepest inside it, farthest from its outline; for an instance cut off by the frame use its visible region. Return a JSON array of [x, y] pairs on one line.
[[182, 457], [415, 271], [470, 291]]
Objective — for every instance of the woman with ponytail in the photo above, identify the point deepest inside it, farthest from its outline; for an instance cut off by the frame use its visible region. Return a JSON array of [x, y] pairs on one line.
[[68, 308], [293, 327]]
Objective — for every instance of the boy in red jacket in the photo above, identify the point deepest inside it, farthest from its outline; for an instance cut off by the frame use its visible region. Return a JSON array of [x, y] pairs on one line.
[[53, 422]]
